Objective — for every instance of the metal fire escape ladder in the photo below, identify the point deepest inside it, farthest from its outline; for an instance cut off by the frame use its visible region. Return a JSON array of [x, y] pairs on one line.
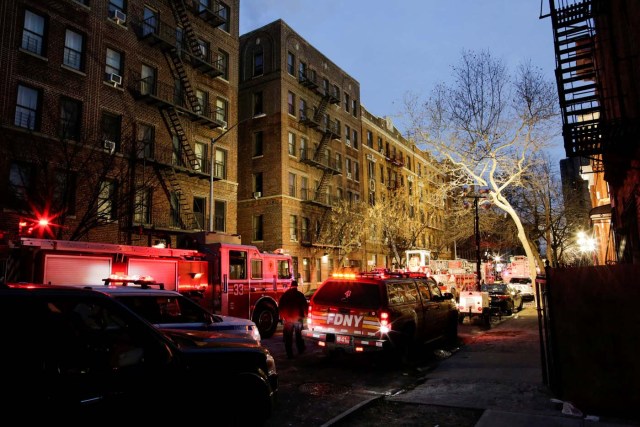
[[181, 15], [188, 157], [577, 77], [186, 218]]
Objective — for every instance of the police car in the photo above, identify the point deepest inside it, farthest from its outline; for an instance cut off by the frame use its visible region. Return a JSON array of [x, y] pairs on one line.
[[380, 311], [172, 310]]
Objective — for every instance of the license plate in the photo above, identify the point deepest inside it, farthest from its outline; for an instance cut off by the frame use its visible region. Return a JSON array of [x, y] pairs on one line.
[[342, 339]]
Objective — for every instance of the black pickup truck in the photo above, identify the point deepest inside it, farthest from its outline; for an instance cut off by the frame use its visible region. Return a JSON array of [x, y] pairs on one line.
[[77, 355]]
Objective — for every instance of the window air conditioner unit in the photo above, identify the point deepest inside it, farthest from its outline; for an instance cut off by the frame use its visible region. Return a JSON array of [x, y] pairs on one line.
[[347, 143], [119, 16], [349, 175], [257, 194], [116, 79], [110, 146], [294, 238]]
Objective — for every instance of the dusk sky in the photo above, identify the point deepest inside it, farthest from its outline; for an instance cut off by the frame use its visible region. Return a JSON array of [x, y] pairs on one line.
[[392, 48]]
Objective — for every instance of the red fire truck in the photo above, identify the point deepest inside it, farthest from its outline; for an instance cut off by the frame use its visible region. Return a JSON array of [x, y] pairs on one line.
[[226, 278], [452, 275]]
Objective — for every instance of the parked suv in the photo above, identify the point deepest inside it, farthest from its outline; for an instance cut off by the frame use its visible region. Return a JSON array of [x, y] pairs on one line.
[[523, 284], [71, 352], [504, 298], [172, 310], [380, 311]]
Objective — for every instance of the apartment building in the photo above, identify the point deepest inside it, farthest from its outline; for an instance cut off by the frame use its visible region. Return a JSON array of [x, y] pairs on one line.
[[395, 168], [108, 110], [597, 70], [304, 154]]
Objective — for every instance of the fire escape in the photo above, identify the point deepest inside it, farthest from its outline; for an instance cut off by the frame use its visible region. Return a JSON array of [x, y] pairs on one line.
[[317, 118], [577, 77], [178, 100]]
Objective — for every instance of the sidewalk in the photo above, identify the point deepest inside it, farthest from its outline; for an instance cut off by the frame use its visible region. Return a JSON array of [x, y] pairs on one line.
[[499, 371]]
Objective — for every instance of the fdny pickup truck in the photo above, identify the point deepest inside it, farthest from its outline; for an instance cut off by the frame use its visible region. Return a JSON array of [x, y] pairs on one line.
[[380, 311]]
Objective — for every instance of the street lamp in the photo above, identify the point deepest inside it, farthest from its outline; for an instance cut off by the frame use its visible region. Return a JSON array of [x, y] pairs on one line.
[[587, 244], [483, 201], [212, 160]]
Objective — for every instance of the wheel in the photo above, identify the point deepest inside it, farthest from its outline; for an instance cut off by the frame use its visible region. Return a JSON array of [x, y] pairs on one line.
[[265, 317], [451, 334], [509, 310], [403, 346]]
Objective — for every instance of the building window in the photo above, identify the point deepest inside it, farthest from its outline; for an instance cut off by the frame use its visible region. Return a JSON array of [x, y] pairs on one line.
[[354, 108], [222, 62], [116, 5], [339, 162], [70, 118], [304, 231], [111, 125], [292, 144], [203, 100], [291, 103], [220, 215], [28, 108], [303, 109], [302, 71], [64, 192], [147, 80], [220, 165], [347, 134], [107, 201], [369, 139], [380, 144], [203, 49], [292, 184], [304, 145], [149, 21], [347, 167], [200, 152], [258, 64], [257, 182], [346, 102], [258, 107], [258, 234], [198, 212], [222, 110], [142, 209], [355, 139], [291, 64], [113, 65], [33, 33], [381, 174], [225, 13], [144, 141], [258, 144], [20, 182], [293, 228], [304, 188], [73, 50], [356, 171], [318, 270]]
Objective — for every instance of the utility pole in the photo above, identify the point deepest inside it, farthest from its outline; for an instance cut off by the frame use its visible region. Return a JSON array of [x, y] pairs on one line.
[[478, 199]]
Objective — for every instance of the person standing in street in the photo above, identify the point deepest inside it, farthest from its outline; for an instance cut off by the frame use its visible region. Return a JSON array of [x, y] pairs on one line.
[[293, 308]]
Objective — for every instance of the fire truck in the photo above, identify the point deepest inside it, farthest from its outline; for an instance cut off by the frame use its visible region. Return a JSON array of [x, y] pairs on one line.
[[452, 275], [226, 278]]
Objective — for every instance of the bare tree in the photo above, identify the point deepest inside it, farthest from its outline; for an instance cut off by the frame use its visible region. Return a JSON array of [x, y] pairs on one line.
[[343, 229], [487, 125]]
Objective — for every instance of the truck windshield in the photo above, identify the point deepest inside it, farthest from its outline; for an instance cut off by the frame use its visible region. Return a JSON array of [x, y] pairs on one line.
[[352, 294]]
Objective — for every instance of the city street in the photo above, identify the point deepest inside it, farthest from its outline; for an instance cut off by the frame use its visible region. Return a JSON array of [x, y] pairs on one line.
[[317, 390]]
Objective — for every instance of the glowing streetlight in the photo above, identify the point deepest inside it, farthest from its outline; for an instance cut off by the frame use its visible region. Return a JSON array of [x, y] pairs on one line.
[[587, 244]]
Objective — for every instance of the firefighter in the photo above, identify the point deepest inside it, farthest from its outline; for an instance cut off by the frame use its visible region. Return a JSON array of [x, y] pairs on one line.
[[293, 308]]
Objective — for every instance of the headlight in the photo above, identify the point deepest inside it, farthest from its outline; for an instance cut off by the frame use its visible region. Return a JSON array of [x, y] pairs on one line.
[[255, 333], [271, 365]]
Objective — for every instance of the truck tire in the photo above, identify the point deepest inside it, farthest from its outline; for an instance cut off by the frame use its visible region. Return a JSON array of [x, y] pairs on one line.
[[266, 318]]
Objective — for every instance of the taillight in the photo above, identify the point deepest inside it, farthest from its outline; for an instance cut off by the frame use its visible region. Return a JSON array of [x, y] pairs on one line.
[[309, 321], [384, 322]]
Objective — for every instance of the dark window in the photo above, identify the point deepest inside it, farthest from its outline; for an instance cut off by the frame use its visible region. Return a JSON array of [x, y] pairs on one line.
[[28, 106], [64, 192], [220, 213], [107, 200], [257, 103], [142, 209], [225, 13], [33, 33], [351, 294], [70, 118], [257, 182], [73, 50], [258, 228], [258, 144], [198, 212], [237, 265], [258, 64], [111, 125], [291, 64], [21, 177]]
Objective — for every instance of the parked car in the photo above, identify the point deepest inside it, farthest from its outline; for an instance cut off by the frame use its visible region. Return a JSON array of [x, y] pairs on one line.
[[504, 298], [523, 284], [75, 354], [172, 310], [380, 311]]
